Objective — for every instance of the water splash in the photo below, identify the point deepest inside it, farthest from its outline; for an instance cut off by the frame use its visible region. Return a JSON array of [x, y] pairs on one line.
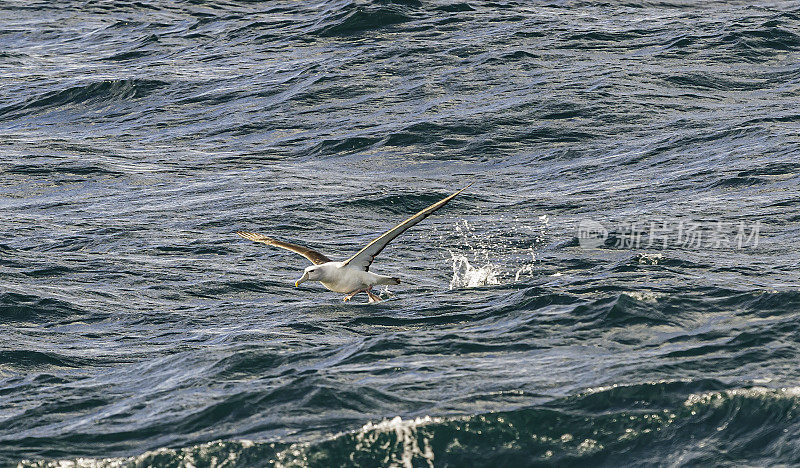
[[467, 276], [527, 269], [482, 259], [385, 293]]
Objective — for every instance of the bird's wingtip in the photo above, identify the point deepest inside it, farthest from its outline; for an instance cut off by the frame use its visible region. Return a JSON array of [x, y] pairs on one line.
[[467, 186], [250, 235]]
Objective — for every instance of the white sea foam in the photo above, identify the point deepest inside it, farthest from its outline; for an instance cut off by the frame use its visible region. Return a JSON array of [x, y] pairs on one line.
[[716, 398], [645, 296], [405, 431]]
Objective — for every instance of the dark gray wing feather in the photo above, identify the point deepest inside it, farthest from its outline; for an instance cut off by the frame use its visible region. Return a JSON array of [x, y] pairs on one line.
[[315, 257]]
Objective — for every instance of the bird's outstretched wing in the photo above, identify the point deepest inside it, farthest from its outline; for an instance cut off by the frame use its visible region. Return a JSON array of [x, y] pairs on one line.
[[315, 257], [363, 259]]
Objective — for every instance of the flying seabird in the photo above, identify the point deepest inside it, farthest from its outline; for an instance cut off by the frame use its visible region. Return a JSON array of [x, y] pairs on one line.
[[351, 276]]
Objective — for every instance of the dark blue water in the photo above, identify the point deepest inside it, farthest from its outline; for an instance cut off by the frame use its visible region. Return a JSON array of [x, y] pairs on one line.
[[136, 329]]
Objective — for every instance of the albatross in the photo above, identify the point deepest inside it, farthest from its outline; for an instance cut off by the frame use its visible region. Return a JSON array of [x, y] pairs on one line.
[[351, 276]]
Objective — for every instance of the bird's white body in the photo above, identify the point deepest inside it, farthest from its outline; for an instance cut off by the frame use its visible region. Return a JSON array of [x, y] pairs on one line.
[[342, 278]]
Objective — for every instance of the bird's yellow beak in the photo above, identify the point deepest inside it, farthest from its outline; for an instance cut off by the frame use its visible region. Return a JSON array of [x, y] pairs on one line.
[[302, 279]]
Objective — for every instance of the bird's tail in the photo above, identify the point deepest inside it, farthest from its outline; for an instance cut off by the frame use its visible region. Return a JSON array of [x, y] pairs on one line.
[[388, 280]]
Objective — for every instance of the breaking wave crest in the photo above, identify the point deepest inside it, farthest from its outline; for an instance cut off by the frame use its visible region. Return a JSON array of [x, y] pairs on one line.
[[697, 422]]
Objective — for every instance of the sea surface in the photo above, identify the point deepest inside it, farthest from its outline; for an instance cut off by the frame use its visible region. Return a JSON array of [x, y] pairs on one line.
[[619, 287]]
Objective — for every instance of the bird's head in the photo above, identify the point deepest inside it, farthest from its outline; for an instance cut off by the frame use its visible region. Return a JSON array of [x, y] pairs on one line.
[[312, 273]]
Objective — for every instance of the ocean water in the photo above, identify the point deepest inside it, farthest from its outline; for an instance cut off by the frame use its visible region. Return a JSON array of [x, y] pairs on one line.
[[619, 287]]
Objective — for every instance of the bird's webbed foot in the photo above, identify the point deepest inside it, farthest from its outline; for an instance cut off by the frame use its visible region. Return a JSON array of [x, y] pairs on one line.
[[350, 296], [372, 297]]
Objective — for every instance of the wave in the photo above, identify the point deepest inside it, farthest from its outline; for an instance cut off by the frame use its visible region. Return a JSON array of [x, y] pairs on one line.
[[354, 19], [698, 422], [28, 359], [740, 40], [203, 249], [96, 91], [405, 204], [25, 308], [455, 7], [342, 146], [429, 132], [73, 169], [703, 80], [768, 36]]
